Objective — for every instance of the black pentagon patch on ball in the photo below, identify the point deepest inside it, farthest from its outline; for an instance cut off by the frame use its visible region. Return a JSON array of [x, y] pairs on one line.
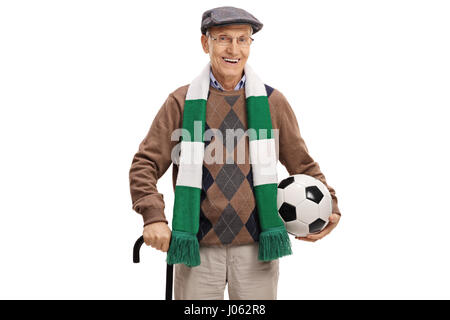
[[314, 194], [283, 184], [316, 226], [287, 212]]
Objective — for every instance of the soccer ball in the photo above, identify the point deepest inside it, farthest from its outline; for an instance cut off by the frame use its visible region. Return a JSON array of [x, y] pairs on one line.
[[304, 204]]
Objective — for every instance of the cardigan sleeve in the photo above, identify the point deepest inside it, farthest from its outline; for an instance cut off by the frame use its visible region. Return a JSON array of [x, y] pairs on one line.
[[151, 161], [293, 153]]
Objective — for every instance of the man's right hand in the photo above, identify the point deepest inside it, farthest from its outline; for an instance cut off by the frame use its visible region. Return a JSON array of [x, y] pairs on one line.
[[157, 235]]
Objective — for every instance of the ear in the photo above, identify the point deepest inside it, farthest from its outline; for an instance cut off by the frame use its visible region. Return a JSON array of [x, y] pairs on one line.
[[205, 44]]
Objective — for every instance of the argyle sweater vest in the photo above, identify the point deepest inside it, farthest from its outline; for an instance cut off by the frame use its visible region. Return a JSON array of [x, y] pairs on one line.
[[228, 213]]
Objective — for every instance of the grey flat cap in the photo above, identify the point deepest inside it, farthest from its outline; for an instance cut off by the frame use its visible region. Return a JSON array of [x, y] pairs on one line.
[[229, 15]]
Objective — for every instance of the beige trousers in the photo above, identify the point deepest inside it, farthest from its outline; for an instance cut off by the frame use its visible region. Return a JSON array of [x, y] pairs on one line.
[[238, 266]]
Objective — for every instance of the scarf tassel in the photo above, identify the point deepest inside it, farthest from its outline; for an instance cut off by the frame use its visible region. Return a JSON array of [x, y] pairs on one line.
[[184, 248], [274, 243]]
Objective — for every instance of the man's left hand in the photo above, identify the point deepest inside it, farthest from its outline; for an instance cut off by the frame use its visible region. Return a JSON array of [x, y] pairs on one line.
[[334, 220]]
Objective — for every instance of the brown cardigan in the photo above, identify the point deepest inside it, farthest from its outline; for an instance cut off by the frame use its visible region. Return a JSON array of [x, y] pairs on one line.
[[154, 155]]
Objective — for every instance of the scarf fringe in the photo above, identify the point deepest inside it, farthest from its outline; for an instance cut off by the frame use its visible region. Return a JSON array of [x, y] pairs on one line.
[[273, 244], [184, 248]]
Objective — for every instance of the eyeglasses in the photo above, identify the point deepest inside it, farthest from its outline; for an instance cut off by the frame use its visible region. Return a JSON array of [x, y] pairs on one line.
[[225, 40]]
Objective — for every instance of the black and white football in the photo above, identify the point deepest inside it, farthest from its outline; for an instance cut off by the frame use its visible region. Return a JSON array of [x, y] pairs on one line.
[[304, 204]]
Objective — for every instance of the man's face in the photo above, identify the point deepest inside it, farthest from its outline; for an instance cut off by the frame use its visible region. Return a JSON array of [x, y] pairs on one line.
[[217, 53]]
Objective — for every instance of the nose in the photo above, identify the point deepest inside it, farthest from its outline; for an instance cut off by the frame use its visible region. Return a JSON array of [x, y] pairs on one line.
[[233, 48]]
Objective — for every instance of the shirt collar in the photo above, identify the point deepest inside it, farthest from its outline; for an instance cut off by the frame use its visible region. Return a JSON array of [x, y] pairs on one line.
[[214, 83]]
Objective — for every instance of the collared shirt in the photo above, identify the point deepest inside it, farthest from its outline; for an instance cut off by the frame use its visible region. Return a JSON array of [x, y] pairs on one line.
[[217, 85]]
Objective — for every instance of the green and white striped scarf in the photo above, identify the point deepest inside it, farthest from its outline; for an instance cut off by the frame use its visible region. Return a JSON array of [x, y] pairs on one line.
[[273, 240]]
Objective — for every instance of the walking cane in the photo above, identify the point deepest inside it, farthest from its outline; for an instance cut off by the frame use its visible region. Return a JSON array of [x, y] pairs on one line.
[[169, 270]]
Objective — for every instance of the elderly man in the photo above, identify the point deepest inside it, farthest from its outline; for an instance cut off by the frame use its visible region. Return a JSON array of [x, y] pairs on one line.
[[225, 226]]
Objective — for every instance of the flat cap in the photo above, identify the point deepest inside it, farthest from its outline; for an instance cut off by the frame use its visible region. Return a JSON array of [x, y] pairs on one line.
[[229, 15]]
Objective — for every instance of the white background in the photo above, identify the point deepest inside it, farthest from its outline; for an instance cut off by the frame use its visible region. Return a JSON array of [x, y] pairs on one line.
[[80, 83]]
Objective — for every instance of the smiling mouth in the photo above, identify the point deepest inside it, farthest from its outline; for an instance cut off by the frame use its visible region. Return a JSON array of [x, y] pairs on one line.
[[231, 61]]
